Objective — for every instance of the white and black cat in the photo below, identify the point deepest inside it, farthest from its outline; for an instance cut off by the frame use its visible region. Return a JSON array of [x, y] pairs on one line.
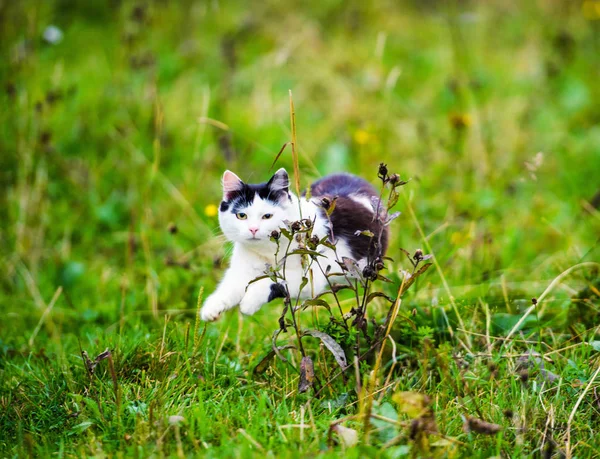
[[250, 213]]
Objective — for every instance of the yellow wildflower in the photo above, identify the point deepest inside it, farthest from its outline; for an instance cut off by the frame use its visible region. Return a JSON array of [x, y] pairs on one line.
[[460, 120], [211, 210], [362, 137]]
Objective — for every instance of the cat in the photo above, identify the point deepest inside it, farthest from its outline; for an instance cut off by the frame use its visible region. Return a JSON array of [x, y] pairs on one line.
[[251, 216]]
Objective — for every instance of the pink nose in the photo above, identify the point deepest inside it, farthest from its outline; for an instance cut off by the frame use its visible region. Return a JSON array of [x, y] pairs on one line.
[[253, 231]]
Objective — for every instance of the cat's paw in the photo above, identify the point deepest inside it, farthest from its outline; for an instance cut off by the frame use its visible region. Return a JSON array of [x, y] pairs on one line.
[[251, 302], [212, 309]]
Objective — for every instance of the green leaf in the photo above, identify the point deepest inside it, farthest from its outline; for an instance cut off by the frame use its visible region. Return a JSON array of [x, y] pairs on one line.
[[504, 323], [316, 302], [266, 360], [312, 253], [413, 404]]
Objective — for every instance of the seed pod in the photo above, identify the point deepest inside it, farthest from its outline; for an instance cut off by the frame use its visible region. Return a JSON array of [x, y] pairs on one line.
[[383, 170]]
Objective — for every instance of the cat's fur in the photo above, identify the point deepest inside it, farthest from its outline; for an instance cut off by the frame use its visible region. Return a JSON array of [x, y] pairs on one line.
[[242, 218]]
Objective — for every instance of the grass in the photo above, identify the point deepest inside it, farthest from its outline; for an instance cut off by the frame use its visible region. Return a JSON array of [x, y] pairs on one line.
[[112, 143]]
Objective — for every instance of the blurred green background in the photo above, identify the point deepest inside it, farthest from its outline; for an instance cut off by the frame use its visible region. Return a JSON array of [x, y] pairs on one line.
[[124, 126], [117, 119]]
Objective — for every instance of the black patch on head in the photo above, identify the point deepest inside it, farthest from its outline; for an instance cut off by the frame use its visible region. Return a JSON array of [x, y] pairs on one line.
[[224, 206], [349, 216], [277, 291], [243, 197]]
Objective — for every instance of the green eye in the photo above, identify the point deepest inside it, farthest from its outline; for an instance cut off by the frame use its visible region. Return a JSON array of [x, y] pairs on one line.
[[267, 216], [241, 216]]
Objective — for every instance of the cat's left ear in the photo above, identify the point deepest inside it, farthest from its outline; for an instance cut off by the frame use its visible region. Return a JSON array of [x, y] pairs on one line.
[[280, 181]]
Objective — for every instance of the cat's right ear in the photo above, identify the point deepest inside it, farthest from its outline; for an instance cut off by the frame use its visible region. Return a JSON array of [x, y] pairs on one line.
[[231, 183]]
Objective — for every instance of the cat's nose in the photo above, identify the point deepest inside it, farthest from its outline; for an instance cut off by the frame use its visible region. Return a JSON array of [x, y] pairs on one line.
[[253, 231]]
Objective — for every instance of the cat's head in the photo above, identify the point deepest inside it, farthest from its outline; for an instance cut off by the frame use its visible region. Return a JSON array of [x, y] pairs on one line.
[[249, 213]]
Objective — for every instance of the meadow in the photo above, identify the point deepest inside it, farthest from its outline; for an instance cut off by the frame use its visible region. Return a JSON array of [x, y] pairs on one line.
[[117, 120]]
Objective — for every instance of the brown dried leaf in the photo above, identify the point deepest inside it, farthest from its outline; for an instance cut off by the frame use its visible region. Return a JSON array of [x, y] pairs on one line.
[[352, 268], [307, 374], [332, 345], [479, 426], [374, 295]]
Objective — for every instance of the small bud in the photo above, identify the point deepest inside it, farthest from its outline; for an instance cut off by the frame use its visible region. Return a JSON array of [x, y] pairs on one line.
[[326, 202], [379, 265], [172, 228], [418, 256], [383, 171], [275, 235], [394, 178], [524, 376], [369, 273], [313, 242], [296, 226], [534, 301], [11, 89], [307, 222], [45, 137]]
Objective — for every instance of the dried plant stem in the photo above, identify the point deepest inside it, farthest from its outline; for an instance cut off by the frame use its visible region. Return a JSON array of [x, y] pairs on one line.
[[44, 315], [373, 380], [294, 151]]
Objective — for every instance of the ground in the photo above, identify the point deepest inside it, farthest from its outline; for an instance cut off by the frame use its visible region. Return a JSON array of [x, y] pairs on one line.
[[116, 126]]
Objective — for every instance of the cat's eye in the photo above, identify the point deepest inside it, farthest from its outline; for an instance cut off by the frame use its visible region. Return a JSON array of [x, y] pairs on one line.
[[267, 216], [241, 216]]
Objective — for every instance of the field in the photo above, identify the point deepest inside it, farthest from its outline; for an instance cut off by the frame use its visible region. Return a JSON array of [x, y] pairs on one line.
[[117, 120]]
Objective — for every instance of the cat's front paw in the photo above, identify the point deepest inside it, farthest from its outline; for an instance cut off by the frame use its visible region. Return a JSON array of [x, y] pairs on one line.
[[251, 302], [212, 309]]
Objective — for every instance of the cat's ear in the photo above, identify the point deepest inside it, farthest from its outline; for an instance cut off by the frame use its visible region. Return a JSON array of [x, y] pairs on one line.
[[280, 181], [231, 183]]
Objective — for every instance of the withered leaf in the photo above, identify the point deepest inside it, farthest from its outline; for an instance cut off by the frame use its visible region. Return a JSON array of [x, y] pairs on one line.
[[374, 295], [479, 426], [307, 374], [348, 437], [332, 345], [409, 279], [352, 268]]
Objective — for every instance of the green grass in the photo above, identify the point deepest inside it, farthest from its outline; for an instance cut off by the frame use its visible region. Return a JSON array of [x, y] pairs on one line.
[[112, 145]]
